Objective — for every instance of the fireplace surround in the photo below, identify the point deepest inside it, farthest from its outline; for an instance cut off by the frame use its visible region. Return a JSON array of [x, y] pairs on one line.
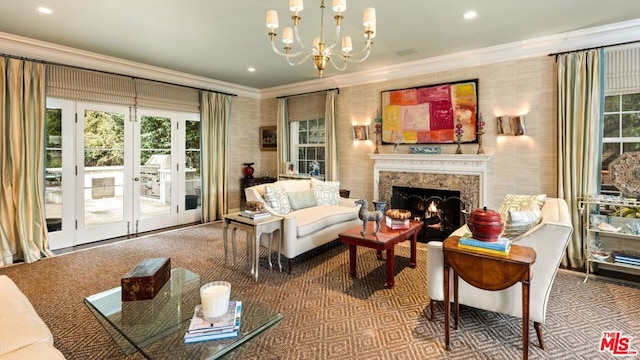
[[463, 173]]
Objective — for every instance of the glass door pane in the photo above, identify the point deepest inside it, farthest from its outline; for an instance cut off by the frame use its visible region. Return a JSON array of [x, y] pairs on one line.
[[53, 169], [192, 182], [104, 172], [155, 166]]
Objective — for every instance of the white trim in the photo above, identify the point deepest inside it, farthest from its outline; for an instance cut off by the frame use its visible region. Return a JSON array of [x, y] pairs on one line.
[[475, 165]]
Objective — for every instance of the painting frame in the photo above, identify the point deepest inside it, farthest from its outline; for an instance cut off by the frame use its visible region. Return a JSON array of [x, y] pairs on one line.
[[268, 138], [431, 114]]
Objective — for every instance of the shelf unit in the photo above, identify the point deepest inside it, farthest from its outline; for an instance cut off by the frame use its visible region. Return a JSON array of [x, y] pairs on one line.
[[596, 209]]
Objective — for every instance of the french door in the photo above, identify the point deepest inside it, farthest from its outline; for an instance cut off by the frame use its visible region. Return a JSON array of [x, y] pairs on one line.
[[130, 169]]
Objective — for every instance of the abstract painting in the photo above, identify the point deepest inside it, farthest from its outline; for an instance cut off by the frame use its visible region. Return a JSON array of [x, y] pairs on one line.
[[430, 114]]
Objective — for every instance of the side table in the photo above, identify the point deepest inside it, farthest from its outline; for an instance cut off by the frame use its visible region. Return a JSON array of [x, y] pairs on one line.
[[487, 272], [256, 228], [249, 182]]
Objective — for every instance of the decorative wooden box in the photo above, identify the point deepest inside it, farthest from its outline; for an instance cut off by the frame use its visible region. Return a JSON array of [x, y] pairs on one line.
[[145, 280]]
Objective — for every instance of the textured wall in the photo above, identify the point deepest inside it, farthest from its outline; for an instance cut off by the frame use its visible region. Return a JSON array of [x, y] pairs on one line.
[[524, 164]]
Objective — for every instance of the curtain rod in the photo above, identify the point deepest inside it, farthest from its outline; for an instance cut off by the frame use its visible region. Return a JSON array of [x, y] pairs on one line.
[[308, 93], [595, 47], [110, 73]]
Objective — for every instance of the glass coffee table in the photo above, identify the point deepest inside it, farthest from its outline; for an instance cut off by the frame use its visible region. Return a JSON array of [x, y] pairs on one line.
[[156, 327]]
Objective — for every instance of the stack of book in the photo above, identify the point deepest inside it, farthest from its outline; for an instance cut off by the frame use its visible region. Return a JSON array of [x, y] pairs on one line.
[[626, 257], [499, 248], [397, 223], [226, 326], [255, 215]]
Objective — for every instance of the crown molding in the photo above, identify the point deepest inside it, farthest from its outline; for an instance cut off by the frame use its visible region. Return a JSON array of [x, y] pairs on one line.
[[574, 40], [43, 51]]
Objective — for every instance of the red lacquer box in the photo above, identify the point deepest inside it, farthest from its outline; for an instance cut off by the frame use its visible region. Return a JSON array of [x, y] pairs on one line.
[[145, 280]]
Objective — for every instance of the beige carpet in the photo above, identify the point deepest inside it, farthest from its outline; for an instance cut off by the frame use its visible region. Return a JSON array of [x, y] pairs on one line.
[[327, 314]]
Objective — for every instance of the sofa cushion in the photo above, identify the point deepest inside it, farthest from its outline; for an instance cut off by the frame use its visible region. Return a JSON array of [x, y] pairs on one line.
[[34, 351], [520, 213], [301, 199], [521, 203], [20, 325], [312, 219], [277, 198], [327, 192]]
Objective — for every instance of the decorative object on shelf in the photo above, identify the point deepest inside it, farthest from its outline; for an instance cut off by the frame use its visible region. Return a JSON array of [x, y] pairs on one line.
[[511, 125], [428, 149], [291, 168], [314, 168], [248, 170], [360, 132], [459, 133], [480, 132], [608, 227], [255, 206], [322, 52], [429, 114], [485, 225], [378, 125], [600, 255], [624, 173], [365, 215], [379, 205]]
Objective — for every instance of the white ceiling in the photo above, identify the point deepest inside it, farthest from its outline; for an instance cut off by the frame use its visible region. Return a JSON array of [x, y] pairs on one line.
[[220, 39]]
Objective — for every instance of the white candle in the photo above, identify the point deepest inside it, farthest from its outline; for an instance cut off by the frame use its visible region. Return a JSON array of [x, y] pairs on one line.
[[215, 299]]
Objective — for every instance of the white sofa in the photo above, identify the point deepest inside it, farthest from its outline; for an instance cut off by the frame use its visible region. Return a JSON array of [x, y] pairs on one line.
[[549, 239], [308, 228], [23, 334]]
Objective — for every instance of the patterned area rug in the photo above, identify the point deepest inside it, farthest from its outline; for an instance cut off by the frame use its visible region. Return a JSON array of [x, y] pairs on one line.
[[327, 314]]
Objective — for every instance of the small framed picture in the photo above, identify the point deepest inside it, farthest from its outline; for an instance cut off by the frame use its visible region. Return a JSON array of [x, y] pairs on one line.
[[268, 138], [291, 168]]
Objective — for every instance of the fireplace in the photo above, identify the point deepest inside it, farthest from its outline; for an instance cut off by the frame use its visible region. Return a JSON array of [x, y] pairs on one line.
[[439, 210], [462, 174]]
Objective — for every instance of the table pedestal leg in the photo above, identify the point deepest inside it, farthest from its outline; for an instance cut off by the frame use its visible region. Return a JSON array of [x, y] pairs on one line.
[[525, 320], [378, 254], [224, 238], [390, 267], [256, 254], [414, 250], [352, 260]]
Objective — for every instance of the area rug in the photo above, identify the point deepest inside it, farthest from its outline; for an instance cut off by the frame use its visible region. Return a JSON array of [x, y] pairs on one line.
[[327, 313]]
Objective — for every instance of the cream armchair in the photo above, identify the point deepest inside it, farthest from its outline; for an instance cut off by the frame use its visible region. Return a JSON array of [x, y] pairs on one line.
[[549, 239]]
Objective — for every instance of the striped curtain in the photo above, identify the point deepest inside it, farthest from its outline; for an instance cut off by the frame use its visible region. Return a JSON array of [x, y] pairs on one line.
[[331, 141], [580, 110], [23, 232], [215, 114]]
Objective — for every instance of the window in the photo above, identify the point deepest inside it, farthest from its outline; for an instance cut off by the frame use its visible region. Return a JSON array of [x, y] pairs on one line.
[[307, 146], [621, 131]]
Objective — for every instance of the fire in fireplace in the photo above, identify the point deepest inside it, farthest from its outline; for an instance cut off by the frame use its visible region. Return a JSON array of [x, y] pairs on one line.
[[439, 210]]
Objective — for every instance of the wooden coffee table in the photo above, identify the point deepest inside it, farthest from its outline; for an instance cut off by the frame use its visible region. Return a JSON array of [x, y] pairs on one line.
[[385, 240]]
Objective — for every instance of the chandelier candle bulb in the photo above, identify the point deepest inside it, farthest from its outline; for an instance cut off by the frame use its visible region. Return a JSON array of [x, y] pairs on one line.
[[272, 19], [339, 5], [296, 5], [347, 45], [369, 17]]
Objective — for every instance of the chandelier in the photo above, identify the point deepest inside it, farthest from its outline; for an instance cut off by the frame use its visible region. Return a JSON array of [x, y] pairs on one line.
[[321, 52]]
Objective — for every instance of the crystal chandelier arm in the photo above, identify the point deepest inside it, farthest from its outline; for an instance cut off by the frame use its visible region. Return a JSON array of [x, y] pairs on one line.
[[352, 56], [344, 64], [305, 58], [294, 55], [297, 35], [335, 40]]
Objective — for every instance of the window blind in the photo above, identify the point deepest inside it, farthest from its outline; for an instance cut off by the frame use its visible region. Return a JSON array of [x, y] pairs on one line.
[[306, 107], [86, 85], [622, 70]]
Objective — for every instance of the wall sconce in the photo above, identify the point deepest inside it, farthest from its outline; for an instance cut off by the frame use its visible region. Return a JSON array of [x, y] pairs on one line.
[[360, 132], [511, 125]]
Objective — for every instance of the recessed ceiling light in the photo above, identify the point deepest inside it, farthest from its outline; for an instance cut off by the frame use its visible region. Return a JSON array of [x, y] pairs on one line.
[[44, 10], [251, 69], [469, 15]]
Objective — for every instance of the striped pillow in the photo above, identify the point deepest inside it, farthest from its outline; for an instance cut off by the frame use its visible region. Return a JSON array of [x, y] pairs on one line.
[[277, 198]]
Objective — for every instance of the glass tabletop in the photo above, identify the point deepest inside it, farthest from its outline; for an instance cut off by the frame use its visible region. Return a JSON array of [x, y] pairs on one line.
[[156, 327]]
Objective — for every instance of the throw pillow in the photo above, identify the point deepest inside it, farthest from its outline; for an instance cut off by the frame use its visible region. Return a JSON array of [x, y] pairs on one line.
[[301, 199], [521, 203], [326, 192], [277, 198]]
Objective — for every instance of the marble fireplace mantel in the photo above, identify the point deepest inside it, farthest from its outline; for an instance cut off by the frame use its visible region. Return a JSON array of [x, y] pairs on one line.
[[465, 172]]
